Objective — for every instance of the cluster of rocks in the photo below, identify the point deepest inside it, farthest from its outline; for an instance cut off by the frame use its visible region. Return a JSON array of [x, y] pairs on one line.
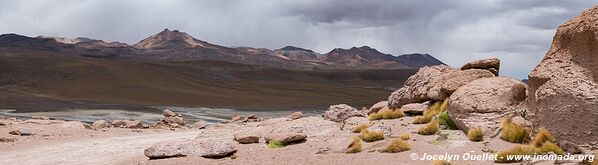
[[170, 120]]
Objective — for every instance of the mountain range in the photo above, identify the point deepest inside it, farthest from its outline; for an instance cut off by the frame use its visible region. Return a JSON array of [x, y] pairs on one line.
[[179, 46], [172, 68]]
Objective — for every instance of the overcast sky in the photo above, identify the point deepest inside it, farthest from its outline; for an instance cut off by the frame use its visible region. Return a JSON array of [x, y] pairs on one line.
[[519, 32]]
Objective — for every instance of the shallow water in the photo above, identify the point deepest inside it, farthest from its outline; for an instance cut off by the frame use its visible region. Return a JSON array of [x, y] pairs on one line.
[[191, 115]]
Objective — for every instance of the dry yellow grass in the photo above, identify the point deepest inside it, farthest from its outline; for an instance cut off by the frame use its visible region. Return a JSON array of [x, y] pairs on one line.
[[397, 145], [405, 137], [371, 136], [595, 162], [475, 134], [355, 146], [502, 156], [551, 147], [543, 136], [514, 133], [386, 113], [429, 129], [358, 128], [432, 111]]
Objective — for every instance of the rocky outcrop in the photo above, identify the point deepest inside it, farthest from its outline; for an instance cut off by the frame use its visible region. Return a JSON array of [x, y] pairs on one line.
[[341, 112], [485, 102], [377, 107], [170, 120], [491, 64], [563, 86], [422, 86], [191, 148]]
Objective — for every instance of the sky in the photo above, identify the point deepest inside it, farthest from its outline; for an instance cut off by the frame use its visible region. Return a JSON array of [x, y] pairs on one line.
[[519, 32]]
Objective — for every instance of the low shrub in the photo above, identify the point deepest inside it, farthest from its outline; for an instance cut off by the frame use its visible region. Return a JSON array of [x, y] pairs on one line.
[[513, 132], [397, 145], [542, 137], [445, 120], [502, 156], [371, 136], [275, 144], [358, 128], [386, 113], [355, 146], [429, 129], [551, 147], [405, 137], [475, 134]]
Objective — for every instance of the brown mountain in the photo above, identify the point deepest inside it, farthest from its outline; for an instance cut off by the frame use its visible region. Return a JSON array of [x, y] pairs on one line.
[[173, 68]]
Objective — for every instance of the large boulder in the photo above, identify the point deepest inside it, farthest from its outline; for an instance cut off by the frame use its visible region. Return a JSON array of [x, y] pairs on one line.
[[415, 109], [483, 103], [191, 148], [563, 86], [490, 64], [341, 112], [422, 86], [454, 80]]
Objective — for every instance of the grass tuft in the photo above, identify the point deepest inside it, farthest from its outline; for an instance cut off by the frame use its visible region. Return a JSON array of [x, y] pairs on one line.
[[502, 156], [513, 132], [359, 127], [386, 113], [475, 134], [371, 136], [435, 109], [429, 129], [355, 146], [397, 145], [275, 144], [405, 137], [551, 147], [542, 137]]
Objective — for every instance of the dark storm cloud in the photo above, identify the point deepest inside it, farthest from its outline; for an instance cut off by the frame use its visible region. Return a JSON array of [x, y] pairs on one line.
[[519, 32]]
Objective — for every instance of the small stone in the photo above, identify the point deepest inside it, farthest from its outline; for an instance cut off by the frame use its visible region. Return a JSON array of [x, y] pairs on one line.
[[245, 138], [21, 132], [168, 113], [199, 125], [7, 140], [296, 115], [286, 138]]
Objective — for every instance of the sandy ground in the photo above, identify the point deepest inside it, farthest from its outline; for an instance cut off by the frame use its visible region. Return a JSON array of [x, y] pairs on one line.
[[58, 142]]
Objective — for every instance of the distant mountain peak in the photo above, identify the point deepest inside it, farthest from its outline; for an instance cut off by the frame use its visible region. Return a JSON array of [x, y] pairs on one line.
[[168, 38], [293, 48]]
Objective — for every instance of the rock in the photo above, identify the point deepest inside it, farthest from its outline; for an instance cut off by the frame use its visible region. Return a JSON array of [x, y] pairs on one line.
[[40, 117], [570, 147], [341, 112], [563, 86], [7, 140], [247, 138], [168, 113], [72, 125], [485, 102], [422, 86], [135, 124], [454, 80], [191, 148], [296, 115], [21, 132], [521, 121], [170, 122], [100, 124], [3, 123], [236, 118], [415, 109], [286, 138], [381, 127], [491, 64], [199, 125], [377, 107]]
